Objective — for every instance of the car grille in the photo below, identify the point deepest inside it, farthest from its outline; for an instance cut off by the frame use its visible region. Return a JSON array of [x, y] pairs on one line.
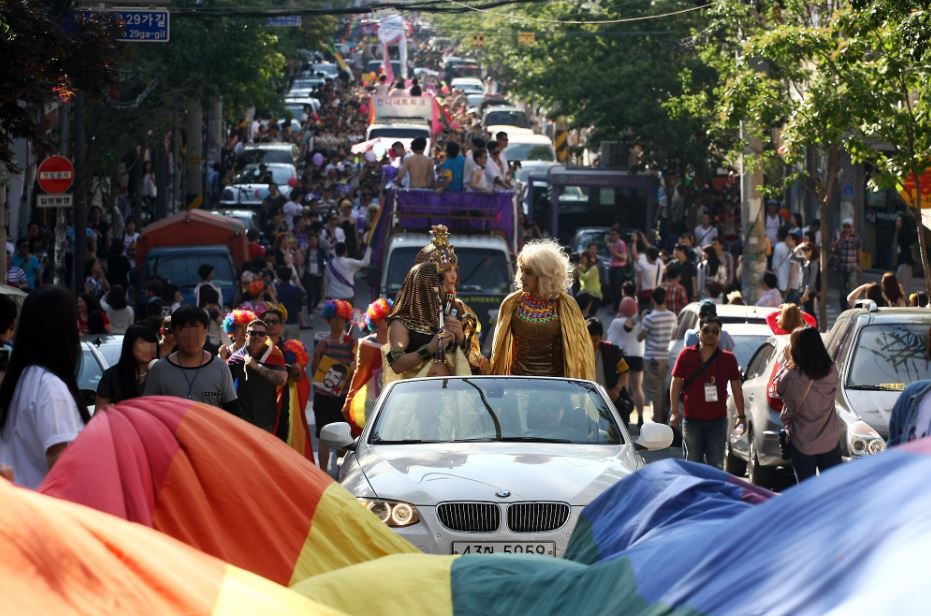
[[469, 517], [537, 517]]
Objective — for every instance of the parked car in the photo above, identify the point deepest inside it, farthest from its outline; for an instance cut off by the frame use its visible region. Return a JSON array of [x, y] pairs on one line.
[[180, 265], [529, 146], [757, 451], [246, 191], [268, 153], [505, 116], [490, 464], [108, 345], [468, 85]]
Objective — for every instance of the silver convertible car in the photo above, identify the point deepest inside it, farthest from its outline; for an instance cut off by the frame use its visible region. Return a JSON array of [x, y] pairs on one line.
[[464, 465]]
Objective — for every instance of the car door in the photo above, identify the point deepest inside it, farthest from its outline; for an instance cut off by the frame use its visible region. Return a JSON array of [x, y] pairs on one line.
[[756, 378]]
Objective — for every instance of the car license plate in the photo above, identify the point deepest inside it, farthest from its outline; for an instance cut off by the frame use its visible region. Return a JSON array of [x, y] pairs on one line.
[[541, 548]]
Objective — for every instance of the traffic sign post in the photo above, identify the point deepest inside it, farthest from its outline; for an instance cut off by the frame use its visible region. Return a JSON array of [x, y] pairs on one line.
[[44, 201], [56, 174], [139, 25]]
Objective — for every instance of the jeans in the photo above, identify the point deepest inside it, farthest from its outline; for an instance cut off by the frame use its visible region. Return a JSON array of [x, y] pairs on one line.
[[848, 282], [703, 440], [654, 376], [805, 465]]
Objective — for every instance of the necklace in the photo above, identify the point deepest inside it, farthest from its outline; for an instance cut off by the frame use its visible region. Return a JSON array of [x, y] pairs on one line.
[[190, 381], [532, 310]]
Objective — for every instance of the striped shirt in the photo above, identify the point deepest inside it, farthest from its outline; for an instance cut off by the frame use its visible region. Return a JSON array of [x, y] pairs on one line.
[[659, 326]]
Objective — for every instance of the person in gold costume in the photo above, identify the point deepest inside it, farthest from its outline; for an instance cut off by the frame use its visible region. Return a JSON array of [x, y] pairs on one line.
[[540, 330], [420, 341]]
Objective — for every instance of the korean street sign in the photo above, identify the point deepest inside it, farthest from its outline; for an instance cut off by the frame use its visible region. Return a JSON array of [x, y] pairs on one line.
[[143, 25], [285, 21], [54, 200]]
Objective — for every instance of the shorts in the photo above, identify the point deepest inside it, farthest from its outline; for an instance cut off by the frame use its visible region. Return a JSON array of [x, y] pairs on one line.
[[327, 410], [634, 363], [654, 377]]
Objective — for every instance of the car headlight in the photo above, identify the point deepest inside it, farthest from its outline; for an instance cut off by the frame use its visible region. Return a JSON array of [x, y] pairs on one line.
[[862, 440], [395, 514]]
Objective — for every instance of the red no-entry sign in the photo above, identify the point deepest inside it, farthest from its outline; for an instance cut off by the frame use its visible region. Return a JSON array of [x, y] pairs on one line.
[[56, 174]]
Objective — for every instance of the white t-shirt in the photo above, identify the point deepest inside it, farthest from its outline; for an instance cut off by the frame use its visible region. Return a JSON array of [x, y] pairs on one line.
[[291, 209], [42, 414], [651, 274], [626, 340]]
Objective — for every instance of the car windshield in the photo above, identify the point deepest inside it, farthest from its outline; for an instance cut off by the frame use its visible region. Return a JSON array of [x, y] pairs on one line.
[[399, 133], [499, 409], [280, 175], [326, 68], [596, 236], [90, 371], [306, 84], [474, 100], [181, 269], [889, 356], [507, 118], [268, 155], [530, 151], [481, 270]]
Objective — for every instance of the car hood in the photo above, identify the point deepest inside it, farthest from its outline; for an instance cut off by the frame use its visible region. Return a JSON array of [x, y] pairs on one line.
[[873, 407], [428, 474]]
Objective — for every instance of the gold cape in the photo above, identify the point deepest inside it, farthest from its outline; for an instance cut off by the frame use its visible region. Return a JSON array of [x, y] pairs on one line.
[[578, 355]]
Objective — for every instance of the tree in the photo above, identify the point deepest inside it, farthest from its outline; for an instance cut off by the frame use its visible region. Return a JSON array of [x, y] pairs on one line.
[[887, 62], [48, 51]]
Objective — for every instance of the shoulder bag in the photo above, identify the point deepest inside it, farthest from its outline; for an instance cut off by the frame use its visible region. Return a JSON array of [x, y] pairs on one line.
[[701, 370]]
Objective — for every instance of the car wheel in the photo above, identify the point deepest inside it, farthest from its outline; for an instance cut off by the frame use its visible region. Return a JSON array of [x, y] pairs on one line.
[[732, 463], [759, 475]]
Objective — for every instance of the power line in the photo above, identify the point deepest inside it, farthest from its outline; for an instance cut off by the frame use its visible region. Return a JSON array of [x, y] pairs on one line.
[[621, 20]]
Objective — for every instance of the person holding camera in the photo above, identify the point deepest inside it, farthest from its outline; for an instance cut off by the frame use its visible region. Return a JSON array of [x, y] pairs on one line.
[[808, 384], [700, 378]]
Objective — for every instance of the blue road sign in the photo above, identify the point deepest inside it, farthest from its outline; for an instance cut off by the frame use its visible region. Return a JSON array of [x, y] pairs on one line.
[[285, 21], [143, 25]]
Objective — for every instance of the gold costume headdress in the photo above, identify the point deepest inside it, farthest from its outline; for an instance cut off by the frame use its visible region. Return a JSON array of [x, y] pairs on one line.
[[443, 256]]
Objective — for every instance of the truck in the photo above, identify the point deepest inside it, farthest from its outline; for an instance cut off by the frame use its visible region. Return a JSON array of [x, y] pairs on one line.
[[175, 247], [401, 118], [482, 230]]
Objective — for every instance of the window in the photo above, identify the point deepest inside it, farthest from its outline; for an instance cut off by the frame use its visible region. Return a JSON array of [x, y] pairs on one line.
[[888, 356], [181, 269], [499, 409], [759, 361], [481, 270], [399, 133]]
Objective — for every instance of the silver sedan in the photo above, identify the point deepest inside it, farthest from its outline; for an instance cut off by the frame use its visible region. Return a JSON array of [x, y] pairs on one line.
[[490, 464]]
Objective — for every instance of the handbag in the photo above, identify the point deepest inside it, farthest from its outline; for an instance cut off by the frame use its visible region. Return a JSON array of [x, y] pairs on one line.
[[784, 436]]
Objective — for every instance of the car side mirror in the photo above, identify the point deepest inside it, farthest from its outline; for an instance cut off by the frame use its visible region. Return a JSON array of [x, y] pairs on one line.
[[337, 436], [654, 436]]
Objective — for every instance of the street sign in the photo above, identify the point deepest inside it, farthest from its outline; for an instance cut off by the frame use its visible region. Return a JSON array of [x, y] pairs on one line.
[[54, 200], [143, 25], [526, 38], [56, 174], [284, 21]]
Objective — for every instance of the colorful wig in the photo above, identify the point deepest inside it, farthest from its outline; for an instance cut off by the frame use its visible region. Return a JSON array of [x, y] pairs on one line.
[[337, 308], [296, 353], [235, 318], [377, 311]]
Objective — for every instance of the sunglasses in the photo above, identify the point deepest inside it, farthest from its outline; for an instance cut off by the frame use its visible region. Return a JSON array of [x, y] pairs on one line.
[[257, 334], [714, 331]]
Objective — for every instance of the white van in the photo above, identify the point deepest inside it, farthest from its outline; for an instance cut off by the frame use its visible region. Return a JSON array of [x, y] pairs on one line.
[[529, 146]]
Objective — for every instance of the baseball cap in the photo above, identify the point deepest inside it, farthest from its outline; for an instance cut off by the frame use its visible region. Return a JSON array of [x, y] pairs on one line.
[[707, 309], [847, 221]]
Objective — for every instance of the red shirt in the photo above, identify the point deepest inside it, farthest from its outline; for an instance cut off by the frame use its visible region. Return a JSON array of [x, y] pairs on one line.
[[721, 371]]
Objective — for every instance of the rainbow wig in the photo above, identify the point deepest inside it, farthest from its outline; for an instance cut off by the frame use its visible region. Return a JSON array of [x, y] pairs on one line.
[[337, 308], [237, 317], [377, 311], [296, 353]]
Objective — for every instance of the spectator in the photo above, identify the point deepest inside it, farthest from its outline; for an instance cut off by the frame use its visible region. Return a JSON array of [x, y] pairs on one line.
[[91, 318], [649, 274], [688, 274], [27, 262], [705, 232], [676, 298], [656, 330], [712, 274], [339, 279], [314, 269], [206, 273], [292, 296], [41, 409], [126, 379], [118, 266], [892, 291], [95, 282], [771, 297], [811, 277], [190, 371], [258, 371], [871, 290], [707, 310], [451, 170], [846, 257], [700, 378], [611, 371], [589, 274], [623, 332], [332, 370], [808, 384], [15, 276], [119, 313], [130, 237]]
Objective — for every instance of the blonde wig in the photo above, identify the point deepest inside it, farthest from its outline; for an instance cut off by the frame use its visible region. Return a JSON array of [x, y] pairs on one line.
[[549, 263]]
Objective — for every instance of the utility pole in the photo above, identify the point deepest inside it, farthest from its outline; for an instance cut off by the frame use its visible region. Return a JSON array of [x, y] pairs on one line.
[[753, 227], [80, 195], [194, 160]]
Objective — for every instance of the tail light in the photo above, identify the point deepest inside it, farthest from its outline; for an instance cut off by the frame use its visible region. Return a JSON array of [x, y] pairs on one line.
[[772, 396]]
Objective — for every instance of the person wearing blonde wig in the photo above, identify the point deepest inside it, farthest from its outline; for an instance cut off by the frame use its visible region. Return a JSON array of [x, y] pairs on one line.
[[540, 330]]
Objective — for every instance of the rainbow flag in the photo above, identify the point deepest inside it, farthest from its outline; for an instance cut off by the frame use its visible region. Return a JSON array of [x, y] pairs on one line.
[[60, 558], [180, 467], [298, 431]]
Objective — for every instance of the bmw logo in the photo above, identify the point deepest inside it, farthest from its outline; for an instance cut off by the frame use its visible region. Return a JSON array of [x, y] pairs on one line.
[[502, 493]]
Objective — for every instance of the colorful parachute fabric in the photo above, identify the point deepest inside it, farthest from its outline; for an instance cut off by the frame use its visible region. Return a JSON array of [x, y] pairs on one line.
[[673, 538], [60, 558], [220, 485]]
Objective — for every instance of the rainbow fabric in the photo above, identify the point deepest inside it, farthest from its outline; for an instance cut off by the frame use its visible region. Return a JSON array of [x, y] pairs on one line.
[[298, 430], [673, 538]]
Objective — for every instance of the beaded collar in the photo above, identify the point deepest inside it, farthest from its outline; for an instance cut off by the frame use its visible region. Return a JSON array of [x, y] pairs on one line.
[[536, 310]]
